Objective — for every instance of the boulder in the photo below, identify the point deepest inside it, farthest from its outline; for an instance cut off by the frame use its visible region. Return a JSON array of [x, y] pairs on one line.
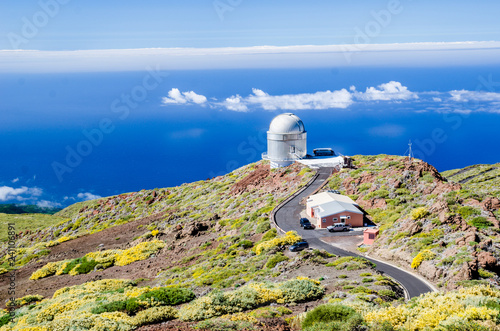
[[467, 238], [487, 260], [468, 271], [439, 207], [429, 270], [483, 245]]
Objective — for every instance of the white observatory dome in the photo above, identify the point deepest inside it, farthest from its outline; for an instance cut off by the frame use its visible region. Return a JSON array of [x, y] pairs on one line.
[[287, 123], [286, 140]]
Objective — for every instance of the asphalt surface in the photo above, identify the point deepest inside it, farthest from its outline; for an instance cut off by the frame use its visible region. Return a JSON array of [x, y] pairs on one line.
[[287, 218]]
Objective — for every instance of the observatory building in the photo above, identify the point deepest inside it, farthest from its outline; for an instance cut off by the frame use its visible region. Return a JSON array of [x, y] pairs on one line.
[[286, 140]]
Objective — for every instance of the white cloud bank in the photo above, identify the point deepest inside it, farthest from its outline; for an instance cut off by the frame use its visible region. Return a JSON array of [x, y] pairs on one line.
[[391, 92], [88, 196], [303, 56], [474, 96], [338, 99], [177, 97], [20, 194], [386, 92]]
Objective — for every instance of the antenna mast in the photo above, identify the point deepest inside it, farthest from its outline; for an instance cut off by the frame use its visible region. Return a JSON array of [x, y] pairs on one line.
[[410, 154]]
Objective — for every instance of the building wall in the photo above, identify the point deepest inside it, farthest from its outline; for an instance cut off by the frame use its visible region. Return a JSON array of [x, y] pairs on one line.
[[369, 236], [309, 210], [278, 145], [356, 220]]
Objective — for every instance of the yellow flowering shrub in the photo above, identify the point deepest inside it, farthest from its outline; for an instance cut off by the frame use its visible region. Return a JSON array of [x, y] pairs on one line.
[[240, 317], [433, 310], [154, 233], [71, 309], [267, 293], [105, 259], [290, 238], [419, 213], [28, 299], [317, 282], [155, 315], [63, 239], [139, 252], [249, 297], [48, 270], [3, 271], [423, 255]]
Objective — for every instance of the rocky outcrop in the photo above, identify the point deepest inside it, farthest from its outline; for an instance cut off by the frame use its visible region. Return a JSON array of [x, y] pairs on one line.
[[468, 271], [192, 230], [467, 238], [487, 260], [411, 226], [430, 271], [491, 204]]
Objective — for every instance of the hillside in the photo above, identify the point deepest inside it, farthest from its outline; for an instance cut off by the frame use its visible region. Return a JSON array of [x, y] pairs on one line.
[[26, 209], [448, 232], [204, 255], [480, 179]]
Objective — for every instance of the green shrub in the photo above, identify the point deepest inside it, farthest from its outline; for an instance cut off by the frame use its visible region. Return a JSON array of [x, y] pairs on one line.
[[387, 293], [246, 244], [485, 274], [262, 227], [110, 307], [326, 314], [275, 259], [86, 266], [364, 187], [367, 280], [133, 306], [377, 194], [71, 265], [269, 235], [351, 263], [5, 319], [222, 324], [365, 274], [362, 290], [170, 296], [403, 191], [342, 276], [481, 222], [467, 211]]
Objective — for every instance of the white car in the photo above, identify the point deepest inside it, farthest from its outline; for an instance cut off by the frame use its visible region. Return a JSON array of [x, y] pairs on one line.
[[339, 227]]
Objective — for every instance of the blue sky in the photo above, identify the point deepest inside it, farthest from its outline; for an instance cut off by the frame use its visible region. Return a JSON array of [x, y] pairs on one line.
[[395, 69], [118, 24]]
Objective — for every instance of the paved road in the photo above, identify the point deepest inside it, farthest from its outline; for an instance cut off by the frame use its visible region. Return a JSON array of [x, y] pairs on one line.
[[287, 218]]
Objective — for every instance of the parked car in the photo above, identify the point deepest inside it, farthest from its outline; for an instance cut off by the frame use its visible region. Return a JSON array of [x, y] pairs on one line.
[[308, 225], [299, 246], [304, 221], [339, 227]]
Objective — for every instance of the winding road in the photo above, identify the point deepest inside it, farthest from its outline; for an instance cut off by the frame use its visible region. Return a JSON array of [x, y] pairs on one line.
[[287, 218]]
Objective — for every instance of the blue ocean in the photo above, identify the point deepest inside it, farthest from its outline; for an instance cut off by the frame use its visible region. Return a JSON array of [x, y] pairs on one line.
[[75, 133]]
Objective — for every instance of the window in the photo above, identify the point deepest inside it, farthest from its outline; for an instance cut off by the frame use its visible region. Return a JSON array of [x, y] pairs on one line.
[[371, 235], [292, 149], [334, 219], [324, 220], [348, 217]]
